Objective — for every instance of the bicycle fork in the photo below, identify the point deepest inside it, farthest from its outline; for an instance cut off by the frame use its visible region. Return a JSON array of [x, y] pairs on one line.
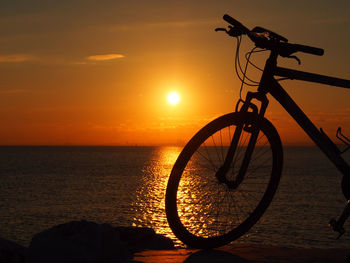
[[253, 129]]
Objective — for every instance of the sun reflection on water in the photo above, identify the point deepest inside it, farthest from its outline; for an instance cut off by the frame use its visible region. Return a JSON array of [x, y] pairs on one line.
[[205, 206], [149, 206]]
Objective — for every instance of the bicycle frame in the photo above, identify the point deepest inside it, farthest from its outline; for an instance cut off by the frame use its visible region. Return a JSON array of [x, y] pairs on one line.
[[269, 84], [254, 144]]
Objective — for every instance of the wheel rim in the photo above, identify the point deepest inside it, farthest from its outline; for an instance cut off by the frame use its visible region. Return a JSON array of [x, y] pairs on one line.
[[209, 209]]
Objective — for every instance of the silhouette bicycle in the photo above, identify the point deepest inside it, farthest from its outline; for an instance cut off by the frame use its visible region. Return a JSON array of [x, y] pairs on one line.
[[226, 176]]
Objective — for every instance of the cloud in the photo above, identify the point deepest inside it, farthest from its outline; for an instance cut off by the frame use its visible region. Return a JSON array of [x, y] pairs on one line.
[[12, 91], [16, 58], [105, 57]]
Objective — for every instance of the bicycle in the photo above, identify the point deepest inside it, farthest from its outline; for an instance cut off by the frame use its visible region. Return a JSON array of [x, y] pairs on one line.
[[226, 176]]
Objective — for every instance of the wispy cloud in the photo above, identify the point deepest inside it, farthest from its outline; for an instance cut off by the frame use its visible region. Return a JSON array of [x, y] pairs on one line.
[[12, 91], [16, 58], [105, 57]]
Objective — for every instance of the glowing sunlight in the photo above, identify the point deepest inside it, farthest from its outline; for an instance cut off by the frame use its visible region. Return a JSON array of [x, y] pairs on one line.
[[173, 98]]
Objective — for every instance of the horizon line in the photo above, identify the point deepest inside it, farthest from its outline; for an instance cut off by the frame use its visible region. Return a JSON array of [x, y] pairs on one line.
[[127, 145]]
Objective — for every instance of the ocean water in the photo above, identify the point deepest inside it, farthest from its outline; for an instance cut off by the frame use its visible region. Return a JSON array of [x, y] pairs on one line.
[[44, 186]]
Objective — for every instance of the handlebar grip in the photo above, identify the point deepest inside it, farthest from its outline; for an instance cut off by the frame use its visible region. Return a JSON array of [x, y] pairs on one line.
[[235, 23], [310, 50]]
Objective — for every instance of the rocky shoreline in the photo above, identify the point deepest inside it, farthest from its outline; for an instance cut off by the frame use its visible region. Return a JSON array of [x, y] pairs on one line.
[[84, 241], [89, 242]]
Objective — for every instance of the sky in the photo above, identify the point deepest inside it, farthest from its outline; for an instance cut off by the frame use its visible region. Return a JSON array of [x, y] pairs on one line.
[[84, 72]]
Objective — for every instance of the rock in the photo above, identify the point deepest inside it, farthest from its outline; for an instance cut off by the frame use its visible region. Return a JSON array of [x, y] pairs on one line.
[[11, 252], [141, 238], [78, 242], [88, 242]]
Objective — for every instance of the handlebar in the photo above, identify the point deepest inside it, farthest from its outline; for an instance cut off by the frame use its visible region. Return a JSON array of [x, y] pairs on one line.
[[267, 39], [235, 23], [309, 50]]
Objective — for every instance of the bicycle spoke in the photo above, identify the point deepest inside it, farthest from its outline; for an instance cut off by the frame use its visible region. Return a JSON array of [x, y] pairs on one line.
[[218, 155], [209, 159], [222, 149], [212, 207]]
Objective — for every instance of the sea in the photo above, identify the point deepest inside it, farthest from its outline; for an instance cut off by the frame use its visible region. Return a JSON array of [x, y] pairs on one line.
[[43, 186]]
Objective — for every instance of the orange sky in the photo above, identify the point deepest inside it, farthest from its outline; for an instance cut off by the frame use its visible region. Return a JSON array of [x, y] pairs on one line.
[[99, 72]]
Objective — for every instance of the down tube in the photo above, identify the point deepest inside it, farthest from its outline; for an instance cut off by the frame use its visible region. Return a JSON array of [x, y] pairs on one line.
[[304, 122]]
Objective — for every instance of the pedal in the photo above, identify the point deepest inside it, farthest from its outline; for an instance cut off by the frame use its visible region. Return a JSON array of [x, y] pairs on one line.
[[336, 227]]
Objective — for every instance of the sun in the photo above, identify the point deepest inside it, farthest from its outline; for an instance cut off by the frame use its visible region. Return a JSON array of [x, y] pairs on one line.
[[173, 98]]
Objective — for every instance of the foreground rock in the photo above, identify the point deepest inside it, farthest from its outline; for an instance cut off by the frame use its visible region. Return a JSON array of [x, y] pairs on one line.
[[78, 242], [11, 252], [88, 242], [142, 238]]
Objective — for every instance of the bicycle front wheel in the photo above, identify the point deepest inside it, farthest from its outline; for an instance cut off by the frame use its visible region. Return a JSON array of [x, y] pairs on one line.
[[205, 212]]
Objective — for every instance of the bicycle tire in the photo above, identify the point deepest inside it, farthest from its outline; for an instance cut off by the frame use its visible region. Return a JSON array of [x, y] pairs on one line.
[[185, 174]]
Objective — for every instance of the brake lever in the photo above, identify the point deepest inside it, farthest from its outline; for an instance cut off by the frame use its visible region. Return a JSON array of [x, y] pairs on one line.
[[220, 29], [232, 31], [296, 58]]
